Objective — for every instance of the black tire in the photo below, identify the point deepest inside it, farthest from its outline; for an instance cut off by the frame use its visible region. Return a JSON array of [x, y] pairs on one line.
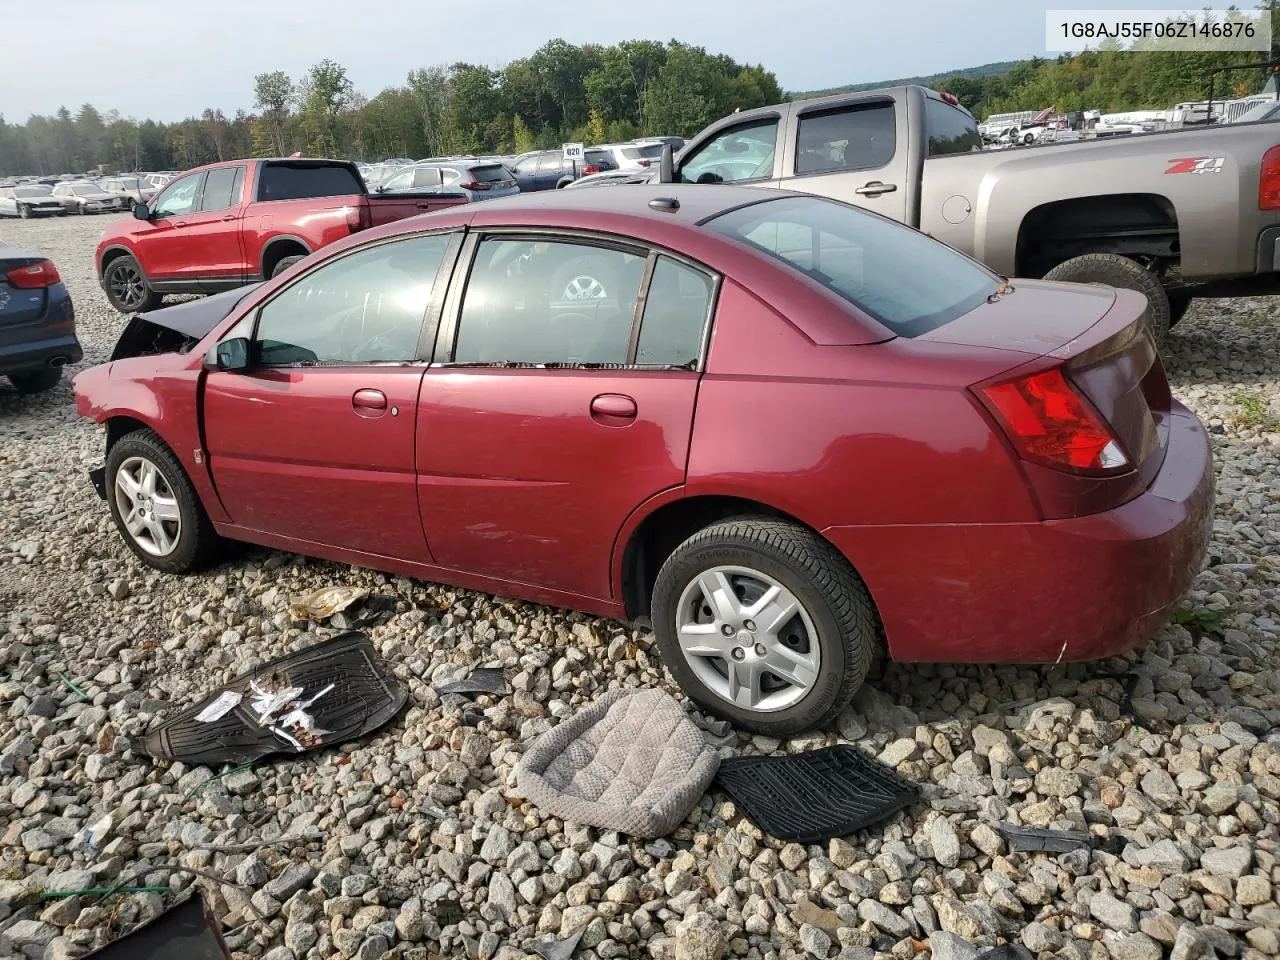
[[36, 381], [284, 265], [128, 295], [1117, 271], [24, 211], [196, 544], [1179, 304], [831, 592]]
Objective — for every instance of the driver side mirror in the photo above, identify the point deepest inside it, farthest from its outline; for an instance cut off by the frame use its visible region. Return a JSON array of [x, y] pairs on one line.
[[141, 211], [667, 165], [229, 356]]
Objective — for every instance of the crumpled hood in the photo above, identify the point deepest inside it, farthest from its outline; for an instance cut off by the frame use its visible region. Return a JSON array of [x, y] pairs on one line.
[[195, 318]]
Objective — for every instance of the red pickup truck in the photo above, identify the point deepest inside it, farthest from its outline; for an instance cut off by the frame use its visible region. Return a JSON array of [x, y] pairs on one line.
[[228, 224]]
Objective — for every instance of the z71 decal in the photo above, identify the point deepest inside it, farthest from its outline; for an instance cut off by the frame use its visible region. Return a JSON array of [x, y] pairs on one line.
[[1196, 165]]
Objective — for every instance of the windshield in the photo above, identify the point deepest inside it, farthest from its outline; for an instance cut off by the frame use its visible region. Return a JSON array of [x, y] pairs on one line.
[[1259, 111], [905, 280], [32, 192]]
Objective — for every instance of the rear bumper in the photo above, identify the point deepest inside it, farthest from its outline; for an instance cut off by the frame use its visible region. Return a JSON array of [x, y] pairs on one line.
[[32, 354], [1079, 589]]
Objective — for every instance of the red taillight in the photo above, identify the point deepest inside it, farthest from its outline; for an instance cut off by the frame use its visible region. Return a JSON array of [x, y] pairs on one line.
[[1049, 422], [1269, 181], [645, 163], [949, 98], [359, 218], [41, 274], [589, 169], [475, 185]]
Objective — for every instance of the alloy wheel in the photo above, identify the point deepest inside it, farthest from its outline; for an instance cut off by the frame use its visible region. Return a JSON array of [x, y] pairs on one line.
[[127, 284], [147, 506], [584, 288], [748, 638]]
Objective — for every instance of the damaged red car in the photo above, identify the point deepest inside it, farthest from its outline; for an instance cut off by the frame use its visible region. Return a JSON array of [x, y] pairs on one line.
[[790, 432]]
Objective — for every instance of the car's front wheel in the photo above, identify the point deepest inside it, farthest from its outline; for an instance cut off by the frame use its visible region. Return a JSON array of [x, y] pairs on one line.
[[126, 286], [763, 622], [155, 507], [24, 211]]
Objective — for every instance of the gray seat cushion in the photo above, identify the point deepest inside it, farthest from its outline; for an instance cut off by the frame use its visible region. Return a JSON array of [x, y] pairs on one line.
[[633, 761]]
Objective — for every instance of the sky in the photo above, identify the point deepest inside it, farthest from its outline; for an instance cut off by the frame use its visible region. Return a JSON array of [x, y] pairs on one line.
[[167, 60]]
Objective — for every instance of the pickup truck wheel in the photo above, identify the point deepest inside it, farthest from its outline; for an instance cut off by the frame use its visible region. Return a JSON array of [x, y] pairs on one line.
[[126, 286], [284, 265], [155, 507], [36, 381], [764, 623], [1114, 270]]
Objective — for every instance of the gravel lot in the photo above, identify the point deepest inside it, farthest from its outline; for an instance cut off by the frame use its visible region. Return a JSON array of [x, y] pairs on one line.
[[1188, 775]]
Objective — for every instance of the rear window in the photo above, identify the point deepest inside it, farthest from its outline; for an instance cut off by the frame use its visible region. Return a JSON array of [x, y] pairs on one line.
[[491, 174], [951, 130], [285, 181], [897, 275], [650, 151], [599, 158]]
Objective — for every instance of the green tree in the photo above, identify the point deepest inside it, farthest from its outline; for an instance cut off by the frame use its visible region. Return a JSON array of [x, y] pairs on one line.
[[322, 95], [521, 135], [272, 94]]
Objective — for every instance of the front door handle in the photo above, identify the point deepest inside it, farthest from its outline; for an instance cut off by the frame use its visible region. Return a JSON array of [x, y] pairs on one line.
[[613, 409], [369, 402], [875, 188], [225, 219]]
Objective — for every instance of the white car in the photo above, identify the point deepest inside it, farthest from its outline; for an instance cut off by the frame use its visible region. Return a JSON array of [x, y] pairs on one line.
[[30, 200], [84, 196], [633, 156], [606, 178]]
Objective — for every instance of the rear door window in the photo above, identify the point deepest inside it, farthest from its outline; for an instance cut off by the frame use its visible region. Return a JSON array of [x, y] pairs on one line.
[[287, 181], [740, 153], [551, 163], [426, 177], [676, 311], [859, 137], [907, 281], [951, 130]]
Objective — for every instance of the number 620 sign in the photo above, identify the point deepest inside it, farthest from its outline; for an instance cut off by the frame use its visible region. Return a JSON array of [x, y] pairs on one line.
[[572, 151]]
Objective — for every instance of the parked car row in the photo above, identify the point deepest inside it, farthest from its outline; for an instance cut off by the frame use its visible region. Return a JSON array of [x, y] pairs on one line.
[[69, 195]]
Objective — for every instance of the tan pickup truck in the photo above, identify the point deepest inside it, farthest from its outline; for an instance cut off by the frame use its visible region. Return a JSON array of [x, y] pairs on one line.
[[1177, 214]]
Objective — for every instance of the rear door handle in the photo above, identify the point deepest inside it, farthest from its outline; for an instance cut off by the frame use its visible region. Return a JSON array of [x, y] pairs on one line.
[[369, 402], [875, 188], [613, 409]]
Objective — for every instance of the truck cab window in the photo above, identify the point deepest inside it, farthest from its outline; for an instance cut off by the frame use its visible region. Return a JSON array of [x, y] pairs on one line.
[[858, 137], [951, 130], [736, 154]]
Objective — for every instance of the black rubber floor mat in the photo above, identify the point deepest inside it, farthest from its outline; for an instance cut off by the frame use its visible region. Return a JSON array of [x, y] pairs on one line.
[[814, 796], [327, 694], [186, 931]]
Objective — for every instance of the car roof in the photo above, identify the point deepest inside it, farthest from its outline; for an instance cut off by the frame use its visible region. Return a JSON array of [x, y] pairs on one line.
[[697, 202]]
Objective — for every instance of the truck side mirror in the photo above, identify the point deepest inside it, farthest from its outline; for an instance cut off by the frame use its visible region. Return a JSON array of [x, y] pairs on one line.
[[229, 356], [141, 211], [667, 165]]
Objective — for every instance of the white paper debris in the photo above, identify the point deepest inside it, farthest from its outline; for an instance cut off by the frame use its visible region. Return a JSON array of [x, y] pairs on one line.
[[220, 707]]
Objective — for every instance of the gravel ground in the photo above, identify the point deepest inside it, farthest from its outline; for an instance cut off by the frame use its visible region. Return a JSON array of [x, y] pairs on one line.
[[419, 850]]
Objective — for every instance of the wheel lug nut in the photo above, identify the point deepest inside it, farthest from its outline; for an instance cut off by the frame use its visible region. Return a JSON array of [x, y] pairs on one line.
[[749, 624], [727, 630], [760, 650], [739, 653]]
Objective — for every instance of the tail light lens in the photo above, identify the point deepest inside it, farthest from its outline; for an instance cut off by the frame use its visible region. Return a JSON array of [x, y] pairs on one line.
[[1049, 422], [644, 163], [1269, 181], [475, 185], [589, 169], [40, 274], [359, 218]]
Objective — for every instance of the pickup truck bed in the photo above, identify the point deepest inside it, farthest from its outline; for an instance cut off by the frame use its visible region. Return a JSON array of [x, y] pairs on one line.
[[228, 224]]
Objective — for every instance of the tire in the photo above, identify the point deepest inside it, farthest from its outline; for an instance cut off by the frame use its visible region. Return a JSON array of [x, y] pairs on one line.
[[284, 265], [833, 604], [36, 381], [80, 209], [1178, 306], [588, 277], [193, 541], [24, 211], [1117, 271], [1028, 138], [126, 286]]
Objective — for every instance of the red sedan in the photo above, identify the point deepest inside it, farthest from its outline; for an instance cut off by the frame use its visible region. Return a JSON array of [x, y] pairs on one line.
[[789, 431]]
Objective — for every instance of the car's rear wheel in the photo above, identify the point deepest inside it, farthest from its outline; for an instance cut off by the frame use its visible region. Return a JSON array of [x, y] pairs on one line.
[[284, 265], [126, 286], [24, 211], [36, 381], [155, 507], [763, 622], [1117, 271]]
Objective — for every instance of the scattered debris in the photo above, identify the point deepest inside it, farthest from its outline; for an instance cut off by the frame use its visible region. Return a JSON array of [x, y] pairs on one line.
[[374, 611], [448, 912], [481, 680], [324, 603], [814, 796], [575, 770], [1037, 840], [559, 949], [71, 685], [331, 692], [186, 931]]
